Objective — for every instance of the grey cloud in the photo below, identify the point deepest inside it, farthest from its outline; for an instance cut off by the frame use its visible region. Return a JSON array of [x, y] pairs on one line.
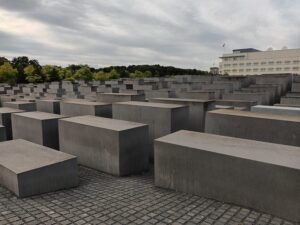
[[171, 32]]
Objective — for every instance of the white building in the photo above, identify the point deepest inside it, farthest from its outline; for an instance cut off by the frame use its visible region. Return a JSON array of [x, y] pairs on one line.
[[254, 62]]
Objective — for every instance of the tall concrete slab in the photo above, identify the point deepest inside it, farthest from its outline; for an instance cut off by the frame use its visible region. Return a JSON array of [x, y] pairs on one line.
[[119, 97], [81, 108], [48, 105], [162, 118], [113, 146], [197, 110], [254, 174], [5, 120], [288, 111], [29, 169], [22, 105], [37, 127], [256, 126]]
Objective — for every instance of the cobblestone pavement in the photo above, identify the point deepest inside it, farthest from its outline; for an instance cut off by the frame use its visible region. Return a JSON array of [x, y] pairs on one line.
[[104, 199]]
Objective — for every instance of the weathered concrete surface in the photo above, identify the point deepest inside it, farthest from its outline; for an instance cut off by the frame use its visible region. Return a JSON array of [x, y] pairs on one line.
[[204, 95], [5, 120], [236, 103], [288, 111], [255, 174], [290, 100], [29, 169], [256, 126], [48, 105], [162, 118], [81, 108], [22, 105], [197, 110], [37, 127], [119, 97], [112, 146]]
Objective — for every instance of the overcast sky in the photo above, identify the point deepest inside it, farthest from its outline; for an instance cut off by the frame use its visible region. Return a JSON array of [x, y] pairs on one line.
[[182, 33]]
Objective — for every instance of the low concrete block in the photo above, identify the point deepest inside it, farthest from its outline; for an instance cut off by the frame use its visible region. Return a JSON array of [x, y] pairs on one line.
[[112, 146], [254, 174], [22, 105], [197, 110], [37, 127], [119, 97], [162, 118], [5, 120], [290, 100], [81, 108], [288, 111], [256, 126], [29, 169], [49, 106]]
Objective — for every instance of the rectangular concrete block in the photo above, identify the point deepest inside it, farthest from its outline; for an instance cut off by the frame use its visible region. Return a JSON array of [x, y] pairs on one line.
[[5, 120], [81, 108], [288, 111], [254, 174], [29, 169], [37, 127], [119, 97], [22, 105], [113, 146], [49, 106], [162, 118], [197, 110], [256, 126]]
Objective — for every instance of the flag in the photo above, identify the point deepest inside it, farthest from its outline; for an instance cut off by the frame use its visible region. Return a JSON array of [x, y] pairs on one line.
[[223, 45]]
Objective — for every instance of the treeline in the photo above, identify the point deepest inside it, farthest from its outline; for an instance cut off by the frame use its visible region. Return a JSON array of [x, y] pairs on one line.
[[24, 70]]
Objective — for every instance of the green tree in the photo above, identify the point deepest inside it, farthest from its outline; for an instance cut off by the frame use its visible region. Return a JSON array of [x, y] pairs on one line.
[[32, 74], [3, 60], [50, 73], [8, 73], [84, 73], [113, 74], [101, 75]]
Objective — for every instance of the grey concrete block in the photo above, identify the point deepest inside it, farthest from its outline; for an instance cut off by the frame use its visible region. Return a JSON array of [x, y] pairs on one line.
[[197, 110], [49, 106], [119, 97], [29, 169], [80, 108], [5, 120], [254, 174], [112, 146], [162, 118], [288, 111], [37, 127], [204, 95], [288, 100], [22, 105], [256, 126]]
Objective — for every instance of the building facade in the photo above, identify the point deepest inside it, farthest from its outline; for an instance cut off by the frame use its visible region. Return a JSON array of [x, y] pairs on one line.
[[255, 62]]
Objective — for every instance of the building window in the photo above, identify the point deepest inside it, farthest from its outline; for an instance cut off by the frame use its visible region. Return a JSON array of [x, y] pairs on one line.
[[271, 63], [241, 70], [263, 69], [270, 69], [263, 63], [234, 64], [255, 70], [255, 64], [234, 71], [278, 69], [286, 68], [241, 64], [278, 62], [287, 62], [296, 61], [248, 64], [296, 68], [248, 70]]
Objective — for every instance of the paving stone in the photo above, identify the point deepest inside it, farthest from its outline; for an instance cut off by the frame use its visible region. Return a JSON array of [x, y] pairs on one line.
[[104, 199]]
